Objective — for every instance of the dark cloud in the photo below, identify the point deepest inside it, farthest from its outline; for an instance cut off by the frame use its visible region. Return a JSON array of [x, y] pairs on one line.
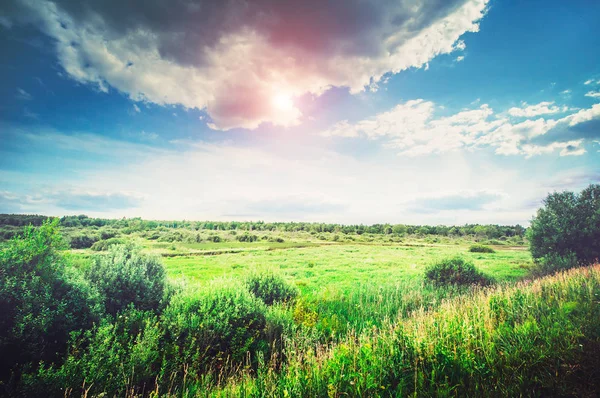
[[316, 26], [231, 57], [563, 132]]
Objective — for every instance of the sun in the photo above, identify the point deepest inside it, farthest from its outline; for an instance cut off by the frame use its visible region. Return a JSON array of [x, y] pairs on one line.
[[282, 102]]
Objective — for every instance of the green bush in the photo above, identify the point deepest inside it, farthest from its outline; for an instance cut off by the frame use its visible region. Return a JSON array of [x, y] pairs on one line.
[[246, 237], [481, 249], [104, 245], [124, 277], [455, 271], [270, 288], [116, 358], [552, 263], [82, 241], [41, 300], [214, 329]]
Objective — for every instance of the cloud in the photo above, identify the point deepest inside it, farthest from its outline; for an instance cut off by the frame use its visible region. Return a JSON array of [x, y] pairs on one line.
[[460, 58], [231, 58], [591, 81], [414, 128], [543, 108], [70, 200], [566, 92], [23, 95], [593, 94], [29, 114], [288, 208], [455, 201], [136, 108], [86, 201]]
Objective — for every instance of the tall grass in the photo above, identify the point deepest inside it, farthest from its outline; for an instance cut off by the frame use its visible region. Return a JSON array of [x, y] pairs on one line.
[[535, 338]]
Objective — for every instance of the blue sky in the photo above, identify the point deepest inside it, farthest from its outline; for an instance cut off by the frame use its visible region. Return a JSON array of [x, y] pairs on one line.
[[433, 112]]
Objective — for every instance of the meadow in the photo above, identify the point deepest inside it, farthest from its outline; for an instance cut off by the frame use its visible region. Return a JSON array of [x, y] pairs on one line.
[[293, 310]]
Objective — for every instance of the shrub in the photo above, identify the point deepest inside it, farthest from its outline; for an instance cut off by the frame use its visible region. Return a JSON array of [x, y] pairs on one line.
[[270, 288], [41, 300], [121, 357], [553, 263], [246, 237], [82, 241], [481, 249], [126, 277], [455, 271], [104, 245], [568, 224], [213, 329]]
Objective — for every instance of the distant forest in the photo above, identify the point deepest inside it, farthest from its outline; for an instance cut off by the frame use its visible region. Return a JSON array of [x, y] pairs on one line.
[[10, 224]]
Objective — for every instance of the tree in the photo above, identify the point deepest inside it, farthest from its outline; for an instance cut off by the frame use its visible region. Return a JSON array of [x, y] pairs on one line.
[[568, 225]]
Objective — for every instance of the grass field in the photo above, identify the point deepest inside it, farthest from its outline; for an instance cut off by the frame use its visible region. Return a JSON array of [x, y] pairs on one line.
[[342, 266]]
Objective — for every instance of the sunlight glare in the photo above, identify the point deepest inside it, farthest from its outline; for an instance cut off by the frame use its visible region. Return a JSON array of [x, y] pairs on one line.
[[283, 102]]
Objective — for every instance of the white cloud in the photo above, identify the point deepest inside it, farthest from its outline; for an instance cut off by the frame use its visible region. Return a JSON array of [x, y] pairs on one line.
[[233, 60], [414, 129], [543, 108], [593, 94], [23, 95], [136, 108], [287, 180], [591, 81], [460, 58]]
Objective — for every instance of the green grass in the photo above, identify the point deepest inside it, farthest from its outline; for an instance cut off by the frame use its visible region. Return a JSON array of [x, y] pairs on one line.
[[344, 266], [539, 338]]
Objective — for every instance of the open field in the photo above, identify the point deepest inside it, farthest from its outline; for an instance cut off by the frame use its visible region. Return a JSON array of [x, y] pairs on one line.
[[344, 266], [180, 310]]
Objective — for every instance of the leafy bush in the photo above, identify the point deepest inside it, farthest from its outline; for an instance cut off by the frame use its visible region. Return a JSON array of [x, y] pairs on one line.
[[552, 263], [213, 329], [270, 288], [103, 245], [82, 241], [246, 237], [568, 224], [41, 301], [455, 271], [481, 249], [126, 277], [117, 358]]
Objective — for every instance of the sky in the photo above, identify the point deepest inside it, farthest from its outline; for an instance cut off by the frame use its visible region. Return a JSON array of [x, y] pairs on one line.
[[343, 111]]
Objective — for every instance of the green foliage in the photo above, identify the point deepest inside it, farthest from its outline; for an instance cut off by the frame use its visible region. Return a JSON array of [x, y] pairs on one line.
[[124, 277], [41, 300], [534, 339], [104, 245], [481, 249], [270, 287], [246, 237], [214, 329], [552, 263], [455, 271], [82, 241], [569, 223], [117, 358]]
